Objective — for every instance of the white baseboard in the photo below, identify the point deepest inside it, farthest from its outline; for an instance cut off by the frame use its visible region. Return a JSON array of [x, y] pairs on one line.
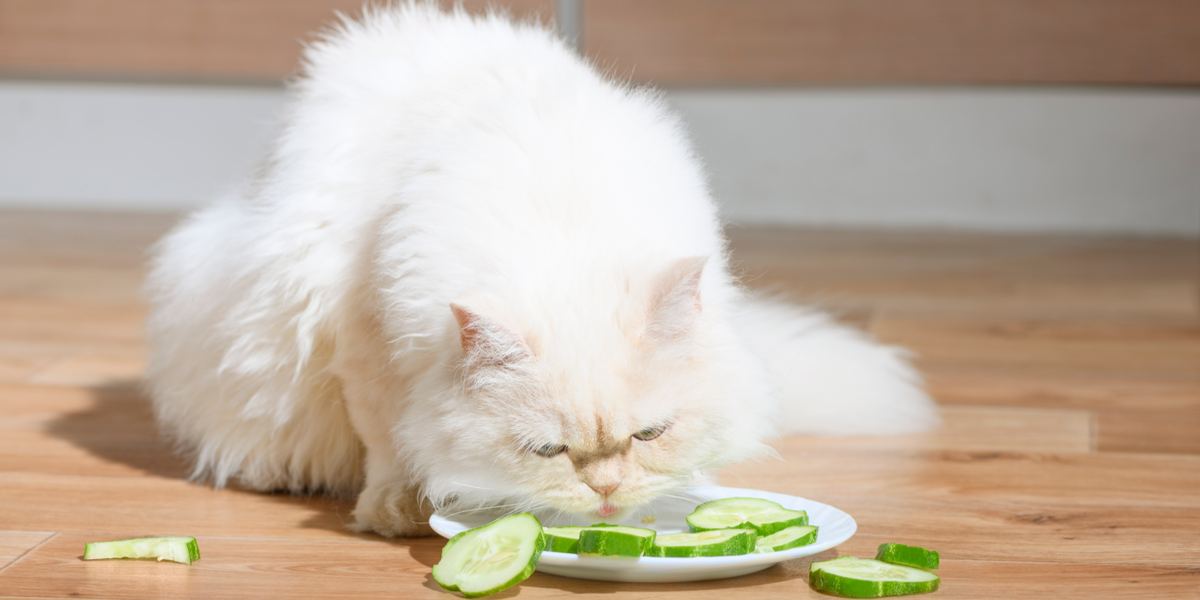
[[1093, 159]]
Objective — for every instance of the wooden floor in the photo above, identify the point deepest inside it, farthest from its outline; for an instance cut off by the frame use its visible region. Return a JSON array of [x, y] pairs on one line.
[[1068, 467]]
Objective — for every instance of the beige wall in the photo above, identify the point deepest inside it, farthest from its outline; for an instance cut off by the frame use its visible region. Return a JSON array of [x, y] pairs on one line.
[[1079, 159]]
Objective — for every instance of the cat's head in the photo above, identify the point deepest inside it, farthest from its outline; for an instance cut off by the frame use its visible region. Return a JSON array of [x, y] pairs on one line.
[[617, 407]]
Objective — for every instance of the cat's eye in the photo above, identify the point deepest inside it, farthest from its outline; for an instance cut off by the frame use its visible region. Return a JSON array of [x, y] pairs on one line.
[[549, 450], [651, 433]]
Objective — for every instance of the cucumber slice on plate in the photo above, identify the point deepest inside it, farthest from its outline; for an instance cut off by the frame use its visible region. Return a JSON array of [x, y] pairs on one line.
[[909, 556], [562, 539], [176, 549], [866, 578], [616, 541], [488, 559], [716, 542], [764, 516], [792, 537]]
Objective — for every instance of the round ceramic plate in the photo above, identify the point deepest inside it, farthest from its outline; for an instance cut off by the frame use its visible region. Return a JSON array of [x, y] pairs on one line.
[[666, 516]]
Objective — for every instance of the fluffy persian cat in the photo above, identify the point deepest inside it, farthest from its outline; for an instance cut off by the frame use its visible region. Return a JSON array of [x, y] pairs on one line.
[[476, 271]]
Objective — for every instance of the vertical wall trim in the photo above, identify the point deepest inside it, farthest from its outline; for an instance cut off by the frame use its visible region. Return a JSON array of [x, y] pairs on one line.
[[568, 15]]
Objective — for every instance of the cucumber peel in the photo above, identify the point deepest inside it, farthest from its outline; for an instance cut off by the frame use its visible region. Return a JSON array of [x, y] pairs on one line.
[[183, 550], [852, 577], [616, 541], [792, 537], [562, 539], [909, 556], [763, 516], [716, 542], [492, 558]]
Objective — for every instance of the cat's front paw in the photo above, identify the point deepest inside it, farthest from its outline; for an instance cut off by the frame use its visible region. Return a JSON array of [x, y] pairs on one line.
[[392, 511]]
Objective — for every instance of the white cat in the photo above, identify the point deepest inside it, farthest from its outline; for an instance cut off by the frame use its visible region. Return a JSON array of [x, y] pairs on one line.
[[476, 271]]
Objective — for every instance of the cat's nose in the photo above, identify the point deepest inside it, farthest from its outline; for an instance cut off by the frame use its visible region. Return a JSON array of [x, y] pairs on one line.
[[604, 489]]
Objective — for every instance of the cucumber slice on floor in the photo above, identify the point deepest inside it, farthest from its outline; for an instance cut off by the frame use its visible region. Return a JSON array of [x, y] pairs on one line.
[[616, 541], [562, 539], [866, 578], [764, 516], [792, 537], [488, 559], [176, 549], [716, 542], [909, 556]]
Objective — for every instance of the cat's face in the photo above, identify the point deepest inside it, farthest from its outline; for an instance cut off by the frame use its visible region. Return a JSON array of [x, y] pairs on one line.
[[601, 426]]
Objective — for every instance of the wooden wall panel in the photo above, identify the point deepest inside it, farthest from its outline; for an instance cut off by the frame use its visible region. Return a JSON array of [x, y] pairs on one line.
[[178, 39], [779, 42]]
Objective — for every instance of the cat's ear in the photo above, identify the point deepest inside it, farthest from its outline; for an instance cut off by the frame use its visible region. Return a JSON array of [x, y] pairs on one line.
[[676, 299], [485, 341]]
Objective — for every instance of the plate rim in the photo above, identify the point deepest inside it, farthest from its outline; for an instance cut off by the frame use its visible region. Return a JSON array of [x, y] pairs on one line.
[[447, 528]]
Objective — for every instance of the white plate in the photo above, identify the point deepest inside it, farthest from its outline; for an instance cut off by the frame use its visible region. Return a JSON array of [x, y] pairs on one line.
[[834, 527]]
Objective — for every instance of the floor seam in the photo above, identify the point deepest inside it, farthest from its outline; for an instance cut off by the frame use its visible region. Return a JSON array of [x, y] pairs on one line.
[[21, 556]]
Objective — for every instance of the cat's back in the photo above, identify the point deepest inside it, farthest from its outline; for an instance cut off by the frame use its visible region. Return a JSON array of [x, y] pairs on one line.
[[413, 77], [492, 125], [415, 51]]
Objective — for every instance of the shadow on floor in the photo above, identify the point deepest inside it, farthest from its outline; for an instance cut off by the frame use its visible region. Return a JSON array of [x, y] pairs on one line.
[[119, 427]]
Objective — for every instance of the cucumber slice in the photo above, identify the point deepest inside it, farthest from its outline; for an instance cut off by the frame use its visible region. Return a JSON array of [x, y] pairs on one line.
[[562, 539], [176, 549], [866, 578], [909, 556], [764, 516], [488, 559], [616, 541], [716, 542], [792, 537]]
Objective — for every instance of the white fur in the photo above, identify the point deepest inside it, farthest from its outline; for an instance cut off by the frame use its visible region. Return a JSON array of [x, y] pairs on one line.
[[301, 332]]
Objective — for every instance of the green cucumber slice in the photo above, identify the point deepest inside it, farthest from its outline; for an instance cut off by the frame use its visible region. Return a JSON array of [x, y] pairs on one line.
[[764, 516], [716, 542], [866, 578], [488, 559], [176, 549], [562, 539], [792, 537], [616, 541], [909, 556]]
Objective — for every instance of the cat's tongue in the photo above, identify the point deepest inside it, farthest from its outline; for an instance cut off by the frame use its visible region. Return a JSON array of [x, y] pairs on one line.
[[607, 510]]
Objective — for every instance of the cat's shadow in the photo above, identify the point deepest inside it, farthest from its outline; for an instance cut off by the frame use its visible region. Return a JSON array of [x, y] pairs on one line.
[[118, 426]]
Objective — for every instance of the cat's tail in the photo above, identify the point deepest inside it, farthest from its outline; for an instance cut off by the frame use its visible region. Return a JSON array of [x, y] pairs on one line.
[[832, 379]]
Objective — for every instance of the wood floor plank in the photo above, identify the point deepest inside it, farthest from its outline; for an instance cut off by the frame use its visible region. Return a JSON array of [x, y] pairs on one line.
[[18, 366], [44, 323], [1094, 479], [1160, 431], [1047, 275], [162, 503], [71, 286], [1133, 413], [983, 428], [1141, 377], [120, 363], [1165, 348]]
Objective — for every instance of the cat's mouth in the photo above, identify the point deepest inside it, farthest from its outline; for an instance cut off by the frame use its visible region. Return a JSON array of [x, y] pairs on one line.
[[607, 510]]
